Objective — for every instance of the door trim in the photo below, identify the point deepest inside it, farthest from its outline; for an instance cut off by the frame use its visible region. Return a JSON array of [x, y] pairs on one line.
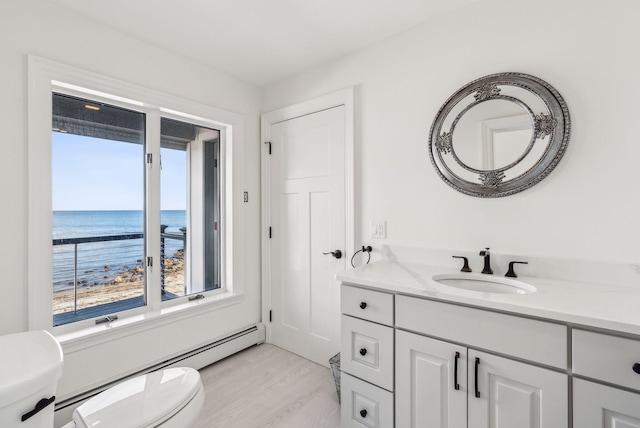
[[344, 98]]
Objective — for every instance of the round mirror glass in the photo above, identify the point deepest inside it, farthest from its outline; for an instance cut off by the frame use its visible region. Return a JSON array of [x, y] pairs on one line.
[[499, 135]]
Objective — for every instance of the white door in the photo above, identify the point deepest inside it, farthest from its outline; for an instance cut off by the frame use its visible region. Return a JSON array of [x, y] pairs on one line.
[[599, 406], [307, 220], [506, 394], [431, 383]]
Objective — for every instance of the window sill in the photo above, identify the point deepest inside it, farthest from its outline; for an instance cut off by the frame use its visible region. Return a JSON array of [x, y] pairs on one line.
[[126, 326]]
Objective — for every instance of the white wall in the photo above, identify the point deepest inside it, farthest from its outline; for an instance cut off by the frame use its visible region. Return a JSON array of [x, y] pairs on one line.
[[588, 207], [39, 28]]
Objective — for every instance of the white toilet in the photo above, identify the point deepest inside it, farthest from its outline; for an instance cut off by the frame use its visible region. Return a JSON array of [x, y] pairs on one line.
[[30, 366], [169, 398]]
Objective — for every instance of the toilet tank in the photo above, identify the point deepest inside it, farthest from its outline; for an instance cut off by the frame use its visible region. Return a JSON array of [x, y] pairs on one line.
[[30, 366]]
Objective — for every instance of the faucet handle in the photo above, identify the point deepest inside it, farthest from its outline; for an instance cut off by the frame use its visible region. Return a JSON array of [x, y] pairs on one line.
[[466, 267], [511, 273]]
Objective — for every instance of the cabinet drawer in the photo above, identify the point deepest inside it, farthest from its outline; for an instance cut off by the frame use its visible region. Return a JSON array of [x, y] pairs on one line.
[[365, 405], [533, 340], [367, 351], [605, 357], [367, 304], [597, 406]]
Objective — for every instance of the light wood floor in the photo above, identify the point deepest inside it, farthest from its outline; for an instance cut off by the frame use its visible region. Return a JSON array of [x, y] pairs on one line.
[[265, 386]]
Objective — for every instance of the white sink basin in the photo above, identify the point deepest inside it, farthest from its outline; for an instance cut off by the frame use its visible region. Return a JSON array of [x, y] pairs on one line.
[[484, 283]]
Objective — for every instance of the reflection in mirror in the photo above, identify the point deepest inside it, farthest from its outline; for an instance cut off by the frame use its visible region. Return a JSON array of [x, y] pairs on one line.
[[486, 124], [499, 135], [528, 162], [504, 139]]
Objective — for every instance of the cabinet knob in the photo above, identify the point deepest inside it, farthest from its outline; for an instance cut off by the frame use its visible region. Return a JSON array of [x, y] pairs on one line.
[[363, 413], [636, 368], [363, 305], [363, 352]]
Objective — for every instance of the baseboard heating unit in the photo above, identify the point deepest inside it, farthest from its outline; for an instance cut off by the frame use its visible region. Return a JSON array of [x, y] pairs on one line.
[[196, 358]]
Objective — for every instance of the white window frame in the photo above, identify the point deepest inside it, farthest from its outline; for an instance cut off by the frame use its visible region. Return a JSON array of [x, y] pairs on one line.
[[46, 77], [195, 266]]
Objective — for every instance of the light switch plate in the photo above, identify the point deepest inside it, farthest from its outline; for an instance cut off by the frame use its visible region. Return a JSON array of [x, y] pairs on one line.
[[378, 229]]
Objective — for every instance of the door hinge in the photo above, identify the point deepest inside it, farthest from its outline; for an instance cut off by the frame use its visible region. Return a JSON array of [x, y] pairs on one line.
[[269, 232], [270, 315], [269, 143], [150, 261], [149, 158], [246, 196]]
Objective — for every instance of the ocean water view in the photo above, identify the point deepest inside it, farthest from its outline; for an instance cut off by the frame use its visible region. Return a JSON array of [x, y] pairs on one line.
[[98, 262]]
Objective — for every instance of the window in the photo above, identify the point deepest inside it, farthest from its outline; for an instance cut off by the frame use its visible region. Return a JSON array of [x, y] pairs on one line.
[[98, 198], [136, 192], [97, 208], [190, 200]]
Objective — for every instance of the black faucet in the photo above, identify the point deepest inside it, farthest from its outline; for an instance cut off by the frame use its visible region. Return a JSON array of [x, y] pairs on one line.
[[511, 273], [487, 261], [466, 267]]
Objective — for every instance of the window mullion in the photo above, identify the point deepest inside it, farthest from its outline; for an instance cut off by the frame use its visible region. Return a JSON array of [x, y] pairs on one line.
[[152, 210]]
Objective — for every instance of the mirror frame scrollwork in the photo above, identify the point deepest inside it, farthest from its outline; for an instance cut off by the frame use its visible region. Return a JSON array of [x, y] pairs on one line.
[[554, 123]]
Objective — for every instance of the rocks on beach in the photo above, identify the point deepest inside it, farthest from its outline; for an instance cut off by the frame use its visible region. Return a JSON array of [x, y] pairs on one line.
[[120, 285]]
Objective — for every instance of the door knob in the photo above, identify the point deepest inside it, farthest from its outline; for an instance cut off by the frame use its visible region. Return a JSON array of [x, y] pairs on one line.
[[337, 253]]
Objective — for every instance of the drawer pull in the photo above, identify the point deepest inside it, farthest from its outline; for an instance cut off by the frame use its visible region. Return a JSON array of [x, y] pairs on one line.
[[363, 351], [363, 305], [363, 413], [456, 385], [636, 368], [476, 377]]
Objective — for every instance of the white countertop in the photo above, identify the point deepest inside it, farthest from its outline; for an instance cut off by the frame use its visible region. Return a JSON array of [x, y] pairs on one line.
[[611, 307]]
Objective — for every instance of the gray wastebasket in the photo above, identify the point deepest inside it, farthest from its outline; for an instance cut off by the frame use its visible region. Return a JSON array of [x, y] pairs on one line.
[[334, 362]]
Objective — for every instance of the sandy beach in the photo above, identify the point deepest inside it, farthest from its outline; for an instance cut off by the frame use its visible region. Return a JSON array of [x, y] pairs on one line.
[[123, 285]]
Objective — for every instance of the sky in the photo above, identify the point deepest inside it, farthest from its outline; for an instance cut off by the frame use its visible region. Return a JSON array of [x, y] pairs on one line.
[[95, 174]]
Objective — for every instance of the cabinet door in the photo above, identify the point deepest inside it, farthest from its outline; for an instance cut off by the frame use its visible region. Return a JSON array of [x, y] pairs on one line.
[[504, 394], [426, 394], [599, 406]]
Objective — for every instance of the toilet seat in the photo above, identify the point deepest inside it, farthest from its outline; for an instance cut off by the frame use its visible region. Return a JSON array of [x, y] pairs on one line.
[[142, 402]]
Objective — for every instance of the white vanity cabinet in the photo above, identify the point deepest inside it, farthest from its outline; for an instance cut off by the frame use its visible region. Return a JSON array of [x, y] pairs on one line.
[[441, 384], [611, 359], [366, 358], [564, 356]]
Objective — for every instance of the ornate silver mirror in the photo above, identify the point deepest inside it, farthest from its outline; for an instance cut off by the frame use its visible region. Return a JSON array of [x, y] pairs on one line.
[[499, 135]]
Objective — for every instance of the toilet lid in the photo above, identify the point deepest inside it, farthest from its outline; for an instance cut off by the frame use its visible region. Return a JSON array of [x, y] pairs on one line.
[[144, 401]]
